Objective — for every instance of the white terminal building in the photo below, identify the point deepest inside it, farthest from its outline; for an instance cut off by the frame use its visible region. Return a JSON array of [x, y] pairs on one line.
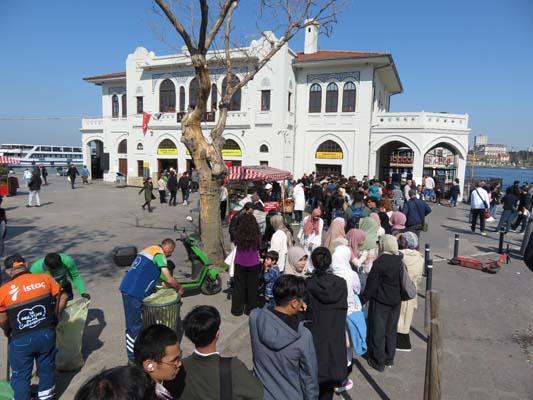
[[322, 111]]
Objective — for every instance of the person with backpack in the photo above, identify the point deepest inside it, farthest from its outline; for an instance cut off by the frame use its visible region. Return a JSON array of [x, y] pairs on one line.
[[416, 211], [356, 211], [479, 202], [208, 375]]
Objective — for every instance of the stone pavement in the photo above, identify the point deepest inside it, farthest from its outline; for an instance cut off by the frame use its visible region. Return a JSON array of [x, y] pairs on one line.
[[487, 319]]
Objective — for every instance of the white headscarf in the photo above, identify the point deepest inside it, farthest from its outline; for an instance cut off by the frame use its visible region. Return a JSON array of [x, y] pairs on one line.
[[340, 266]]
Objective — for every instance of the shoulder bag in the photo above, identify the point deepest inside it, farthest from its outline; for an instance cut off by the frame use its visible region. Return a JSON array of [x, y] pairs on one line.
[[226, 386], [407, 287]]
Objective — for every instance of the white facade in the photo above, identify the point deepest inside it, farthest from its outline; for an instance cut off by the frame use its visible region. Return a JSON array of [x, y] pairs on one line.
[[290, 131]]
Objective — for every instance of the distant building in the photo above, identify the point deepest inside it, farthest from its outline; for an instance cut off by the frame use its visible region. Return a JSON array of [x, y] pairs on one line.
[[480, 140], [493, 153], [530, 149]]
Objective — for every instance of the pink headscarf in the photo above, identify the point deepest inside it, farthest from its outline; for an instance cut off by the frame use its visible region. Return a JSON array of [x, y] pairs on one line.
[[335, 231], [355, 238], [375, 217], [312, 225], [398, 220]]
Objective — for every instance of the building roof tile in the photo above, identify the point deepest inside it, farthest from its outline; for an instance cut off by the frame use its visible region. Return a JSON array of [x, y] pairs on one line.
[[336, 55], [106, 76]]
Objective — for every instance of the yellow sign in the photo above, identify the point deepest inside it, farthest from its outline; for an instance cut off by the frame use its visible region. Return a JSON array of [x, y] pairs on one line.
[[329, 155], [167, 152], [146, 164], [231, 153]]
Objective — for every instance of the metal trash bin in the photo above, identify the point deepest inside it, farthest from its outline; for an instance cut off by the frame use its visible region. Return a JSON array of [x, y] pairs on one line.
[[167, 314], [120, 180]]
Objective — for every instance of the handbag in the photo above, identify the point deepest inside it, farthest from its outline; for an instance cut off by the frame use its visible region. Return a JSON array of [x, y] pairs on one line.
[[407, 287]]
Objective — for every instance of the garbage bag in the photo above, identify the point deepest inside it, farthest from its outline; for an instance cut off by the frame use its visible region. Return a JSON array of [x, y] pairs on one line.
[[161, 296], [69, 335], [6, 393], [162, 307]]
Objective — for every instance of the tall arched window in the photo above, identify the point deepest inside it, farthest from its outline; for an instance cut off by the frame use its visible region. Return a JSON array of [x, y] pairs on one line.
[[167, 96], [123, 147], [332, 97], [124, 107], [235, 102], [214, 97], [348, 97], [114, 106], [329, 150], [315, 98], [194, 90], [182, 98]]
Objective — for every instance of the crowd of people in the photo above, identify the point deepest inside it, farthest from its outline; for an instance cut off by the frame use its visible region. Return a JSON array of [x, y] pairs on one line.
[[339, 282]]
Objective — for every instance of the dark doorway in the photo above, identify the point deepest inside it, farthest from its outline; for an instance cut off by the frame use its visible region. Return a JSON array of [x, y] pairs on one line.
[[123, 166], [395, 159], [166, 163], [96, 148], [328, 169]]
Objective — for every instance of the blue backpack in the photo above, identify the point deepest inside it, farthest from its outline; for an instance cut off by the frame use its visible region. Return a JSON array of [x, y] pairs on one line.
[[357, 214]]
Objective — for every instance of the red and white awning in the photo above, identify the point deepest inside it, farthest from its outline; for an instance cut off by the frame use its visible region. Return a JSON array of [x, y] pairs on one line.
[[257, 173], [8, 160]]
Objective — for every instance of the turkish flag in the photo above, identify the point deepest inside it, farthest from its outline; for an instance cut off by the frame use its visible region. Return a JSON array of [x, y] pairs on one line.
[[146, 119]]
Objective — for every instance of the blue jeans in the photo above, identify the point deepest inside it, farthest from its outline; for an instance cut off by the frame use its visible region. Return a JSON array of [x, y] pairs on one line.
[[185, 195], [23, 350], [493, 210], [453, 200], [133, 318], [505, 220]]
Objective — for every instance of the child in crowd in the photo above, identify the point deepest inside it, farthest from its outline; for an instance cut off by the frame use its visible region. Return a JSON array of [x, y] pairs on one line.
[[270, 274]]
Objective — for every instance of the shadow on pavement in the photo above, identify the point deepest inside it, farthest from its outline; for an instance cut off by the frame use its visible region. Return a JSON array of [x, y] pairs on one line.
[[14, 231], [382, 395]]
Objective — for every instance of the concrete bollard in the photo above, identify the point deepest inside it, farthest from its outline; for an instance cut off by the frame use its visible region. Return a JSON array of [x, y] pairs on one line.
[[456, 246], [500, 245]]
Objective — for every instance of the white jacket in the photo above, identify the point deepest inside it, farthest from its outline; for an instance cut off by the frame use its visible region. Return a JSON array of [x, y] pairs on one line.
[[279, 244], [476, 198], [299, 197]]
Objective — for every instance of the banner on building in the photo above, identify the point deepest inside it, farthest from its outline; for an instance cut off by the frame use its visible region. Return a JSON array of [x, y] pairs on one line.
[[146, 120], [337, 155], [231, 153]]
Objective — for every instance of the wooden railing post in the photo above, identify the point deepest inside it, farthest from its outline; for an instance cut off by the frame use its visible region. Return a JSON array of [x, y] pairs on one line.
[[434, 343]]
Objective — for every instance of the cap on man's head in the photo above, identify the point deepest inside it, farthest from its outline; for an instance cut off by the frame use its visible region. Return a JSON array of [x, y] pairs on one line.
[[13, 261], [268, 186]]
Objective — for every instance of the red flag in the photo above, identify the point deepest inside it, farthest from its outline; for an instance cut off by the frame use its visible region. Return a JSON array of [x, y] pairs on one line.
[[146, 119]]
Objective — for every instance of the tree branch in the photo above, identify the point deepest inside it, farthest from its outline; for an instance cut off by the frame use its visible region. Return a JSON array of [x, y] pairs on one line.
[[177, 25], [204, 8], [224, 10]]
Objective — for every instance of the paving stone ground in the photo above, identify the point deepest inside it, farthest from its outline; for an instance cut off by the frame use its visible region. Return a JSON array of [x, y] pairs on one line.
[[487, 319]]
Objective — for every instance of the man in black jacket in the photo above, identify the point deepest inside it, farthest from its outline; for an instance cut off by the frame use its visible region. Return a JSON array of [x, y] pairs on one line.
[[35, 187], [185, 186], [206, 370], [172, 186], [416, 211], [72, 172]]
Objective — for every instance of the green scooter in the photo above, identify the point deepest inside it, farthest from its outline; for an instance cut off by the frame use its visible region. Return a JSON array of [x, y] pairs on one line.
[[203, 278]]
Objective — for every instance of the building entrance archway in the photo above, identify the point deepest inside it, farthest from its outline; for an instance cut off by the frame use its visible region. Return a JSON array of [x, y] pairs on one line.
[[167, 156], [442, 162], [95, 148], [395, 160]]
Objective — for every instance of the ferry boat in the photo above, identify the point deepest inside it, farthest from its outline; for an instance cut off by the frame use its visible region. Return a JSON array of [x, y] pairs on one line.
[[47, 155]]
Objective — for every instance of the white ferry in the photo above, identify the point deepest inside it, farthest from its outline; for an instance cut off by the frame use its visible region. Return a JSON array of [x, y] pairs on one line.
[[49, 156]]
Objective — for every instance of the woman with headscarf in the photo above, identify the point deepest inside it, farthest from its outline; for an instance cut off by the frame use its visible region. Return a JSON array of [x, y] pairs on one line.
[[356, 237], [296, 261], [381, 230], [281, 239], [299, 201], [398, 220], [384, 222], [382, 291], [310, 234], [336, 230], [370, 246], [414, 264], [340, 266]]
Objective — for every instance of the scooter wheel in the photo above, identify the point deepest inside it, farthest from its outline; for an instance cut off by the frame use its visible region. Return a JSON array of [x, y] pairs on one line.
[[210, 286]]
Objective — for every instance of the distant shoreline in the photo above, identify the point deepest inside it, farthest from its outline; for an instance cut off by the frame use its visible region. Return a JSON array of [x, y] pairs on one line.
[[498, 166]]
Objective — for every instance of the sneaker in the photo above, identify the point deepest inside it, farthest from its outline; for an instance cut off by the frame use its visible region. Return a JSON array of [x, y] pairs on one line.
[[389, 364], [374, 364], [28, 206], [38, 205], [403, 349], [345, 386], [483, 234]]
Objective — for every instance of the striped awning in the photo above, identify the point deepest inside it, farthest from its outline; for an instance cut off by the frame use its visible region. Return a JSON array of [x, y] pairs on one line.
[[8, 160], [257, 173]]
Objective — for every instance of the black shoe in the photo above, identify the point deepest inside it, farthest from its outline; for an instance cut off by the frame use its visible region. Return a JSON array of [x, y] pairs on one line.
[[28, 206], [374, 364], [403, 342], [389, 364]]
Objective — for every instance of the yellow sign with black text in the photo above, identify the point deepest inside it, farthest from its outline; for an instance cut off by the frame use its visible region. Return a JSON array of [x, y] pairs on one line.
[[337, 155], [231, 153], [167, 152]]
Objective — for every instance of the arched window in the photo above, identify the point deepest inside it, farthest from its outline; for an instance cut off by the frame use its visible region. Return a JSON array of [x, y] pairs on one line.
[[329, 150], [263, 148], [214, 97], [194, 90], [140, 147], [182, 98], [235, 102], [124, 107], [166, 144], [231, 149], [123, 147], [167, 96], [332, 97], [348, 97], [315, 98], [114, 106]]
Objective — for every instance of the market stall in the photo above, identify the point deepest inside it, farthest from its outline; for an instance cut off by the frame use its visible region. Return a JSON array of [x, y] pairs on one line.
[[241, 178], [8, 185]]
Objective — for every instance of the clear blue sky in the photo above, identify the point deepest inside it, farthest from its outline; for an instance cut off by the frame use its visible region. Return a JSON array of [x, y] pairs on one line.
[[473, 56]]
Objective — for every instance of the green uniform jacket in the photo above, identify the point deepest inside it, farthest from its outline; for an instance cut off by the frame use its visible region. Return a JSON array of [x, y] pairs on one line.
[[72, 272]]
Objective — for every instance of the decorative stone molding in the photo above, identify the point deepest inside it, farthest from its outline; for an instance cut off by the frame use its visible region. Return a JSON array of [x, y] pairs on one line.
[[335, 76]]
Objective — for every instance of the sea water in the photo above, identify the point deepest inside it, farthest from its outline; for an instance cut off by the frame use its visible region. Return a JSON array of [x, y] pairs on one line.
[[509, 175]]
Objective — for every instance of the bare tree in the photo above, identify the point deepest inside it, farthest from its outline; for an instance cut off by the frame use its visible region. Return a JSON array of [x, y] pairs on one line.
[[215, 23]]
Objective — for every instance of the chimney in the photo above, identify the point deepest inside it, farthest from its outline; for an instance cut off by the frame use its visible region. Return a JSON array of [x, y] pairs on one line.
[[311, 37]]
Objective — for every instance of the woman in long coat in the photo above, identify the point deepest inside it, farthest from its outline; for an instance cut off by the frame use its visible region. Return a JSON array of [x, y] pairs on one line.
[[148, 195], [414, 263], [299, 201]]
